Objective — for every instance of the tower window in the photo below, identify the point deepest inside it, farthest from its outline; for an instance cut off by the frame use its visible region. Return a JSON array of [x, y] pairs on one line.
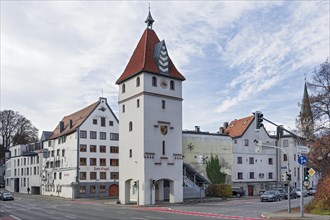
[[163, 148], [154, 81], [130, 126], [163, 104], [123, 88], [123, 108], [138, 103], [130, 153], [172, 85], [137, 81]]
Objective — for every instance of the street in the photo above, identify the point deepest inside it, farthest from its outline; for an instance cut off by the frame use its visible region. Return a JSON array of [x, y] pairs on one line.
[[26, 207]]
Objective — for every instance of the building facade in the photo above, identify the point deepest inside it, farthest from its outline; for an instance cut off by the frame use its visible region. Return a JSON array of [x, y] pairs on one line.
[[150, 104]]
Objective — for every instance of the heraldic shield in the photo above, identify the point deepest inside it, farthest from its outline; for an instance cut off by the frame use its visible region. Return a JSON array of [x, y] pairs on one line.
[[163, 129]]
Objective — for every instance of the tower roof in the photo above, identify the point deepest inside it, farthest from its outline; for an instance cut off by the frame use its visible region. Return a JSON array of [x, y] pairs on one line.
[[305, 105], [144, 59]]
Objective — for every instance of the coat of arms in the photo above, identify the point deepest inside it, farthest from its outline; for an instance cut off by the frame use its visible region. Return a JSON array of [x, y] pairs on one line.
[[163, 129]]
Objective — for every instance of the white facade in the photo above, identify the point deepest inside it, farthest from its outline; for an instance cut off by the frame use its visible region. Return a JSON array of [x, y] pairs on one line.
[[151, 122]]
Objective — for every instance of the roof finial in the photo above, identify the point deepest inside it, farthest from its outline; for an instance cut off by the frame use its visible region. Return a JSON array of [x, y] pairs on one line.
[[149, 19]]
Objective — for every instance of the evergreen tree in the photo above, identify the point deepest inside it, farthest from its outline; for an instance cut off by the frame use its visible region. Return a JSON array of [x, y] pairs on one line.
[[213, 170]]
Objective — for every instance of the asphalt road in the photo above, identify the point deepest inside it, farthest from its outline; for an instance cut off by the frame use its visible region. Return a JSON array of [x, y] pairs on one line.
[[35, 207]]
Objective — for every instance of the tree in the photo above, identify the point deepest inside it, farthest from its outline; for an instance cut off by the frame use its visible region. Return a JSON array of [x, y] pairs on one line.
[[213, 170], [16, 129]]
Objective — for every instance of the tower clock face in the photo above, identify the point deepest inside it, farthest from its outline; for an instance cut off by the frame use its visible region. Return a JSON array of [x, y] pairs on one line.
[[163, 83]]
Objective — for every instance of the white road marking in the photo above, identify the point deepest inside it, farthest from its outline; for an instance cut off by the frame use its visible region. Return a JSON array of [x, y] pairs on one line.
[[13, 216], [153, 217]]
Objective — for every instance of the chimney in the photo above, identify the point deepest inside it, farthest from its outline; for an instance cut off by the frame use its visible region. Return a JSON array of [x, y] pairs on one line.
[[197, 128], [71, 123], [61, 126], [221, 130], [225, 125]]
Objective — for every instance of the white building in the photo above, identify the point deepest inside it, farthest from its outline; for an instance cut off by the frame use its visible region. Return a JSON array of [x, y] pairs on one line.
[[252, 171], [83, 154], [150, 103]]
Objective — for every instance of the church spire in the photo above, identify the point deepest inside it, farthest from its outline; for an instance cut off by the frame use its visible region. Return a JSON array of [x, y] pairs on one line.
[[306, 115], [149, 19]]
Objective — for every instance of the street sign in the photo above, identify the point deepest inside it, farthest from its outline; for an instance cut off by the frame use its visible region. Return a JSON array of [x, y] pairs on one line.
[[306, 183], [302, 160], [311, 171], [303, 150]]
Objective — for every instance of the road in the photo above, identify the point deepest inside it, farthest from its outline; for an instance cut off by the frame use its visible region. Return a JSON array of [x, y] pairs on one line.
[[34, 207]]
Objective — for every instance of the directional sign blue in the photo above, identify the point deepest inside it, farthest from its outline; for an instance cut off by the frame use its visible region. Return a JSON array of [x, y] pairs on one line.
[[302, 160]]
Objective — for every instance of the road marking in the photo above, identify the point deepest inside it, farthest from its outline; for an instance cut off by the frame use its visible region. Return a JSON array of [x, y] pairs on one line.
[[136, 218], [13, 216], [69, 216], [153, 217], [121, 213]]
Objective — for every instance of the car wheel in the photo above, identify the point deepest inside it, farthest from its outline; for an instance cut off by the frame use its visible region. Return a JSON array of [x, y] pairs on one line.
[[238, 195]]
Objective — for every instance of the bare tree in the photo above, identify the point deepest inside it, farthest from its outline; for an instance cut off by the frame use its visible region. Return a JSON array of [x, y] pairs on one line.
[[16, 129]]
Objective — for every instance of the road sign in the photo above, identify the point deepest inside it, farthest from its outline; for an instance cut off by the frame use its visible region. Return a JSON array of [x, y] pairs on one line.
[[302, 160], [303, 150], [306, 183], [311, 171]]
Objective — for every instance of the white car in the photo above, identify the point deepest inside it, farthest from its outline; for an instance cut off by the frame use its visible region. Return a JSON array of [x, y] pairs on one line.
[[304, 192]]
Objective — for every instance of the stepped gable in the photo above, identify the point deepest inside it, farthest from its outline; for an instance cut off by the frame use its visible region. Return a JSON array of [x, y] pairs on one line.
[[237, 127]]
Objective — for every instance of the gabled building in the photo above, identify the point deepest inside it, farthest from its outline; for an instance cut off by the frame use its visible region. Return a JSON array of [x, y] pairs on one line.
[[255, 172], [83, 154]]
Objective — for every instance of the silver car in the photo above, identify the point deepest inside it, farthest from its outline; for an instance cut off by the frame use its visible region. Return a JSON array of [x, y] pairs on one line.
[[304, 192]]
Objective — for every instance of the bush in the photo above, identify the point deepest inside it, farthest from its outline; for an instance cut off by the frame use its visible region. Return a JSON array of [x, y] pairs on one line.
[[219, 190]]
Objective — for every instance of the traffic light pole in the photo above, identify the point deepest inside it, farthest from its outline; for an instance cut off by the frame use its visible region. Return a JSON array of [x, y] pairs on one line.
[[302, 192]]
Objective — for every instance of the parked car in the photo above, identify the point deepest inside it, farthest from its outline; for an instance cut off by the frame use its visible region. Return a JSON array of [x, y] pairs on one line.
[[283, 192], [270, 195], [311, 191], [238, 192], [293, 194], [7, 196], [299, 193]]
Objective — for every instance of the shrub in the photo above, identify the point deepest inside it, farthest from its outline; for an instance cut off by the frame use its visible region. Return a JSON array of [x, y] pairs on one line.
[[219, 190]]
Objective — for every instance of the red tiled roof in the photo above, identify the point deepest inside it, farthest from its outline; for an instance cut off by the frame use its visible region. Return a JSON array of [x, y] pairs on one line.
[[237, 127], [143, 58], [77, 119]]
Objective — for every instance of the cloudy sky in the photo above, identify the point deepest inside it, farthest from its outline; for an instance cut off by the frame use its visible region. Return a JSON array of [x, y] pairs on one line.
[[237, 56]]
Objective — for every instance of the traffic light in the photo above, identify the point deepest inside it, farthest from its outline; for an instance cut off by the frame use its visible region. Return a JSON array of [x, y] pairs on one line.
[[283, 177], [258, 116], [288, 176], [306, 174]]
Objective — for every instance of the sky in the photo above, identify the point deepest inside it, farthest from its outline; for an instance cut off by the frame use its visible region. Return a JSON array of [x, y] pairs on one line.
[[238, 57]]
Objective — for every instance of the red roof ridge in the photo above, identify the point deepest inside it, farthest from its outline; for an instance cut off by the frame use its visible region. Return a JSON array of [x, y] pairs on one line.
[[237, 127]]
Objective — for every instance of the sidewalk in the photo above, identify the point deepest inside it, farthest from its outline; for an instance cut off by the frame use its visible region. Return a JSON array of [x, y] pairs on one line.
[[293, 215]]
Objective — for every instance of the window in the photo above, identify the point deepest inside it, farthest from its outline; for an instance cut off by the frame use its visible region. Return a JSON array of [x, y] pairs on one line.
[[114, 162], [82, 189], [235, 141], [111, 123], [57, 154], [163, 104], [246, 142], [114, 150], [103, 149], [92, 134], [294, 157], [137, 81], [83, 134], [114, 136], [83, 161], [130, 126], [123, 88], [103, 162], [163, 148], [154, 81], [172, 85], [92, 189], [285, 157], [240, 176], [239, 160], [270, 175], [270, 161], [261, 175], [63, 153], [83, 148], [92, 161], [92, 148], [123, 108], [103, 175], [82, 175], [102, 189], [102, 121], [130, 153], [251, 160], [60, 175], [54, 176], [92, 175], [285, 143], [114, 175], [251, 175], [138, 103], [94, 121], [103, 135]]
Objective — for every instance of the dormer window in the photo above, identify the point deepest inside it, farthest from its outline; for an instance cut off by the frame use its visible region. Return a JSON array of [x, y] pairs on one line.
[[154, 81]]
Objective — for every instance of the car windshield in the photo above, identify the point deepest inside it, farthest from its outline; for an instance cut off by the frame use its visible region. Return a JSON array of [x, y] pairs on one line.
[[7, 194], [269, 192]]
